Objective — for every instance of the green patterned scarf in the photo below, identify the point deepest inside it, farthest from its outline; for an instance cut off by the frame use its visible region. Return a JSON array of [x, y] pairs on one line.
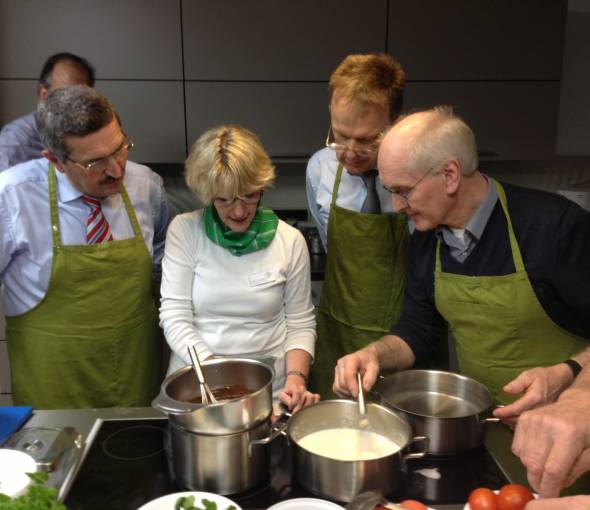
[[258, 236]]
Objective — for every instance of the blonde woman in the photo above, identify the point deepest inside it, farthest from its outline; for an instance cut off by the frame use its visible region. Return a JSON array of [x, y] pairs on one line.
[[236, 279]]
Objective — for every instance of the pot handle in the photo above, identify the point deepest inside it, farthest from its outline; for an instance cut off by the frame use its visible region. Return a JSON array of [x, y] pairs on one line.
[[166, 405], [492, 419], [278, 428], [417, 455]]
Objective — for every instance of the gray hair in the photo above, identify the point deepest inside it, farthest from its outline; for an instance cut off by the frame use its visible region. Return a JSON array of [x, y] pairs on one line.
[[443, 136], [71, 111]]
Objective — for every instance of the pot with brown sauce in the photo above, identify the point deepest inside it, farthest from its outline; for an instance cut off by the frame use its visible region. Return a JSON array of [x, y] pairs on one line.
[[211, 444], [224, 393], [242, 386]]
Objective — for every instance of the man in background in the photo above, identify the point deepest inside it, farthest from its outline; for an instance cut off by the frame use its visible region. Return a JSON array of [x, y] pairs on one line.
[[365, 240], [82, 235], [19, 139]]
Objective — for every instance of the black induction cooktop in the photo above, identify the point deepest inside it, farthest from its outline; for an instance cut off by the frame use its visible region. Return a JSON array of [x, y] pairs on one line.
[[128, 464]]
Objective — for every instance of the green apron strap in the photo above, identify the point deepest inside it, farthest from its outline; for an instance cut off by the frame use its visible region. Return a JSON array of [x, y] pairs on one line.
[[55, 232]]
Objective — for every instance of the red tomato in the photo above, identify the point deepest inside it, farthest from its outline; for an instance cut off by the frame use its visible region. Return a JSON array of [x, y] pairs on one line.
[[513, 497], [412, 504], [482, 499]]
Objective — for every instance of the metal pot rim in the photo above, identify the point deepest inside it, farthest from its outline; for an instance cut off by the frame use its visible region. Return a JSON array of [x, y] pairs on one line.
[[453, 375], [407, 428], [174, 406]]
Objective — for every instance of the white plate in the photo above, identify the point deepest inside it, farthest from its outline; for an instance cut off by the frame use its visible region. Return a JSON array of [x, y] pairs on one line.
[[305, 504], [167, 502], [14, 466], [467, 507]]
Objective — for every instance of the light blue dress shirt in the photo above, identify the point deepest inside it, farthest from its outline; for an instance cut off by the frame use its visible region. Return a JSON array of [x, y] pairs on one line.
[[460, 249], [320, 178], [25, 225], [19, 142]]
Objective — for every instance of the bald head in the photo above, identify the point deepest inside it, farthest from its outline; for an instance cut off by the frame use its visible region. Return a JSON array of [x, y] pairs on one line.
[[64, 70], [428, 138]]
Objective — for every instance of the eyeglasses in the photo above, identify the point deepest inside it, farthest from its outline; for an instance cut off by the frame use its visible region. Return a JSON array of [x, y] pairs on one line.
[[363, 149], [250, 198], [405, 195], [101, 164]]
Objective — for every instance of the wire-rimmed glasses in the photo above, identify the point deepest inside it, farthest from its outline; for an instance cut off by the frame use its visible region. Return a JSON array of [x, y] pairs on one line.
[[250, 198], [364, 150], [101, 164]]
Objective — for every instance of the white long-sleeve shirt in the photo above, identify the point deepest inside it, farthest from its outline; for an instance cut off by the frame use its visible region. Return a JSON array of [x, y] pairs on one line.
[[230, 305]]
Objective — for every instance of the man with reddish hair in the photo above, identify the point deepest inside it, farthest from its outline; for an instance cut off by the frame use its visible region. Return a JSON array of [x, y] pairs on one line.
[[365, 241]]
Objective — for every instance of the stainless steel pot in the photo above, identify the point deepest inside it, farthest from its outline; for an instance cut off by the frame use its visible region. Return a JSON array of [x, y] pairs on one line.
[[342, 480], [224, 464], [450, 409], [226, 416]]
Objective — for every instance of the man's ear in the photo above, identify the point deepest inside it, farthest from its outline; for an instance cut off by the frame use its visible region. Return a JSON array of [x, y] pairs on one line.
[[42, 92], [452, 176], [53, 159]]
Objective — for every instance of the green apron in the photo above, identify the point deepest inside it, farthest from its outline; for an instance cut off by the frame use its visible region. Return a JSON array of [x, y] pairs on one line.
[[363, 290], [499, 325], [92, 340]]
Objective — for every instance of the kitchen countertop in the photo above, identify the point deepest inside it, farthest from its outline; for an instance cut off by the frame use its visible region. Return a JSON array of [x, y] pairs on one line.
[[498, 438]]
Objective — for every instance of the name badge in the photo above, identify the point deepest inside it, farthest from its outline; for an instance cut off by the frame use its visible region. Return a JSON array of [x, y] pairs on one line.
[[256, 279]]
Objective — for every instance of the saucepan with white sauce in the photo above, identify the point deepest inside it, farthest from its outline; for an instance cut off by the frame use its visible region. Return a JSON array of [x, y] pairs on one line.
[[339, 454]]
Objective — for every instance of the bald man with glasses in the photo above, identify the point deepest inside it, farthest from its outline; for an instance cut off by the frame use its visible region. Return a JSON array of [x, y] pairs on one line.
[[504, 268]]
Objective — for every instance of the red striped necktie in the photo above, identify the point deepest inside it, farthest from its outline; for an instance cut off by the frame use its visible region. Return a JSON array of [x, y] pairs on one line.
[[97, 226]]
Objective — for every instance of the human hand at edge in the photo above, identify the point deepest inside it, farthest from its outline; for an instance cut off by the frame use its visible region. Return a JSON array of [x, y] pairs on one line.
[[553, 442], [567, 503], [539, 386]]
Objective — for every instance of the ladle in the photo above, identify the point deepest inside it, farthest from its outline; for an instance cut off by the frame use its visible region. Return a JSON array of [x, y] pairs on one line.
[[207, 396]]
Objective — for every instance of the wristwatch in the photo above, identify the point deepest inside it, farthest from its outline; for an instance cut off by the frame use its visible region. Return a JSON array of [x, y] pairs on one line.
[[575, 367]]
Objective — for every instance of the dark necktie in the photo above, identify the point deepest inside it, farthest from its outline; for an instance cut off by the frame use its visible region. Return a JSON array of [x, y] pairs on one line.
[[371, 204]]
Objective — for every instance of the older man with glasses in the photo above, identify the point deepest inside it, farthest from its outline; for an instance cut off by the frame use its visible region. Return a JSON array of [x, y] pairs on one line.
[[365, 240], [505, 268], [81, 240]]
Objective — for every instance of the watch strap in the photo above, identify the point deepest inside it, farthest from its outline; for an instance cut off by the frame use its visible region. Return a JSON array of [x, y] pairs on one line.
[[575, 367]]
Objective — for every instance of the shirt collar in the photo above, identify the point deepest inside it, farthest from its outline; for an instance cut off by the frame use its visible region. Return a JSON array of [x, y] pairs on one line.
[[67, 192], [477, 223]]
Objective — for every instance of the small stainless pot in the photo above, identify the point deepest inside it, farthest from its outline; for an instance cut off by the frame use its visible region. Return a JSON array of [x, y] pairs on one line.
[[224, 464], [226, 416], [450, 409], [342, 480]]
